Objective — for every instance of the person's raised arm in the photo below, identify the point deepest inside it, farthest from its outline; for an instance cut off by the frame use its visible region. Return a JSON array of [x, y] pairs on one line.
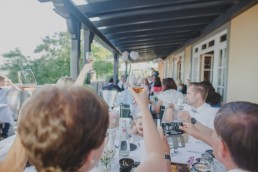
[[10, 83], [153, 145], [80, 79], [16, 158], [185, 117], [195, 132]]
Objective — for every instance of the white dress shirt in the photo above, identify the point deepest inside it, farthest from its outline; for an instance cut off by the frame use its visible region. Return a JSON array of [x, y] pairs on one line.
[[204, 114]]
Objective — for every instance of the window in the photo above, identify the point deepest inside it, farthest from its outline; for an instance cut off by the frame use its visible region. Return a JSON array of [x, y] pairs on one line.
[[207, 67], [221, 72], [211, 43], [223, 38], [209, 62], [204, 46], [179, 69]]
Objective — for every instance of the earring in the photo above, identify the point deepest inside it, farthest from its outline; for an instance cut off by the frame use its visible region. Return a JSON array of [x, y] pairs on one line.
[[92, 161]]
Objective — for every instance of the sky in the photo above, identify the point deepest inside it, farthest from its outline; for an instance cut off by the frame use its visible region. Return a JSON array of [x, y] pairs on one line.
[[25, 22]]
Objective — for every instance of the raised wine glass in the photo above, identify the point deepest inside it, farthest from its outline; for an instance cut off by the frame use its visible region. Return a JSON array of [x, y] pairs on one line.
[[89, 59], [136, 80], [27, 81]]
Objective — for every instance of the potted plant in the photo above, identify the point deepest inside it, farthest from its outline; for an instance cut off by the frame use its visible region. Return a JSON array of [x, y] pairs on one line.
[[106, 158]]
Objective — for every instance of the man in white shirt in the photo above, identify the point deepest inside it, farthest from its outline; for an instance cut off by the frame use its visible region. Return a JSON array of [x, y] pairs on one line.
[[198, 113], [234, 139]]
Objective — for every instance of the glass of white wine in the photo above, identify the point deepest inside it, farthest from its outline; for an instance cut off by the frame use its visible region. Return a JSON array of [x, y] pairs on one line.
[[89, 59], [136, 80], [27, 80]]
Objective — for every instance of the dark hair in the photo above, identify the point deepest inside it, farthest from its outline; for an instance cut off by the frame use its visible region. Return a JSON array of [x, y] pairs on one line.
[[237, 124], [200, 88], [213, 97], [59, 127], [157, 82], [169, 83], [111, 80]]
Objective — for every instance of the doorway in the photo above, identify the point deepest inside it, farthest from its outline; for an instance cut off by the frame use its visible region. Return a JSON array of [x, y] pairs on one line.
[[207, 61]]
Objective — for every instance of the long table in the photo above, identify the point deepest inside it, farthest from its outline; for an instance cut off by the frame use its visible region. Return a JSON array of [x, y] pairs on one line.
[[182, 156]]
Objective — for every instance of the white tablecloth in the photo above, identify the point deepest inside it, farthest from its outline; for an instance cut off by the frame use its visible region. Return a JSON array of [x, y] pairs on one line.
[[182, 156]]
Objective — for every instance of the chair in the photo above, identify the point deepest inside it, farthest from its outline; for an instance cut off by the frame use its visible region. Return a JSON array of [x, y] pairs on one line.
[[161, 112], [125, 111], [109, 97], [157, 117]]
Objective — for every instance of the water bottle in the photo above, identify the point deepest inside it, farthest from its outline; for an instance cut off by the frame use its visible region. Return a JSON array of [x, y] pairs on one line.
[[124, 150]]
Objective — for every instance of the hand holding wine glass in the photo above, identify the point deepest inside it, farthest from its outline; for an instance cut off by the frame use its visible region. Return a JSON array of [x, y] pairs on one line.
[[27, 80], [136, 80], [89, 59]]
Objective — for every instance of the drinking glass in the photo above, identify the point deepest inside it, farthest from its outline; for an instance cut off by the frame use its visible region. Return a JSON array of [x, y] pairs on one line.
[[180, 104], [27, 81], [136, 80]]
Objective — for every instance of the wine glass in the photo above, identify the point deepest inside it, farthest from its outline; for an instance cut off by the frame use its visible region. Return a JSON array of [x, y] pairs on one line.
[[27, 80], [136, 80], [180, 104]]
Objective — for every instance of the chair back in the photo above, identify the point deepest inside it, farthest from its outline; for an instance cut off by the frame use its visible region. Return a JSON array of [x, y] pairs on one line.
[[109, 97], [125, 111], [161, 112]]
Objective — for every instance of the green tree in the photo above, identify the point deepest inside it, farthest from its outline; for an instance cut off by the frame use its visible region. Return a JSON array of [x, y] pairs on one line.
[[53, 59], [103, 64], [15, 60]]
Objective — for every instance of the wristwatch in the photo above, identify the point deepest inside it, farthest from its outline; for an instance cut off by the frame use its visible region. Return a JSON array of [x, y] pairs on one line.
[[167, 157], [193, 121]]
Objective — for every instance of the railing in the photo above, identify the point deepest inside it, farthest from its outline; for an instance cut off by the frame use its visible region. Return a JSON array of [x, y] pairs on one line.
[[98, 85]]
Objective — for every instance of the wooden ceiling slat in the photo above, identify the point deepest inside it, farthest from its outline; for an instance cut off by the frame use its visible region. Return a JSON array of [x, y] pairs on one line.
[[163, 16], [159, 25], [155, 27], [138, 12]]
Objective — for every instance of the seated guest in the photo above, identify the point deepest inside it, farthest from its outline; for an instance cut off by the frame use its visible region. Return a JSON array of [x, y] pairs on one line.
[[234, 138], [66, 82], [157, 86], [111, 85], [64, 130], [213, 98], [199, 112], [168, 96], [137, 126], [6, 115], [154, 75], [181, 87], [122, 83]]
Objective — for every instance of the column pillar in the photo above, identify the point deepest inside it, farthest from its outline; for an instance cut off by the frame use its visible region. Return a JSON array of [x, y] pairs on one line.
[[115, 67], [74, 27]]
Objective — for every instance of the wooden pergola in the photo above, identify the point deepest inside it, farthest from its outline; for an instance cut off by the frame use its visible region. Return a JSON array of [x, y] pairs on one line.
[[153, 28]]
